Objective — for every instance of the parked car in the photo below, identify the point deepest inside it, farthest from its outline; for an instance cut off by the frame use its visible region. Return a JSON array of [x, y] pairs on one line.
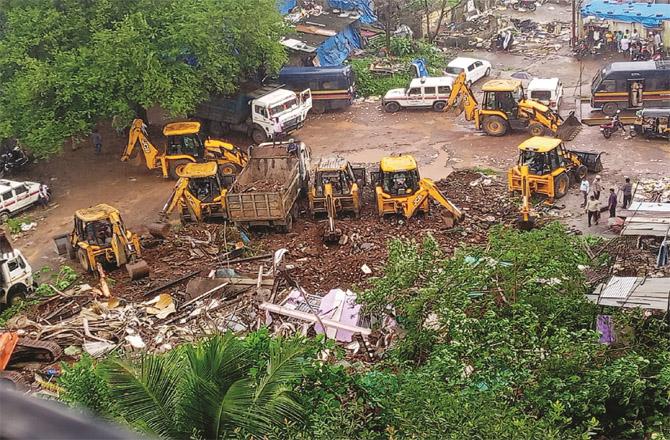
[[474, 69], [548, 91], [16, 197], [428, 92]]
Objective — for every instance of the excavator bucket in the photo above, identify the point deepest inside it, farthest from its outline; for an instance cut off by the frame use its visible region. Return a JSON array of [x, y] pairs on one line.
[[569, 128], [137, 269], [333, 236]]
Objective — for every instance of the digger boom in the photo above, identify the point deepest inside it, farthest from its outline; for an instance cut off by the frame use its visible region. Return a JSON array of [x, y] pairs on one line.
[[428, 189]]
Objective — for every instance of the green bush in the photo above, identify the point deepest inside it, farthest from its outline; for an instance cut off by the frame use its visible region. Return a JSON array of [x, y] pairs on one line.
[[84, 386]]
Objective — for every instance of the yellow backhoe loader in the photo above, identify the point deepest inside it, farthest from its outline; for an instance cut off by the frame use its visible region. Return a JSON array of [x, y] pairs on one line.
[[506, 108], [99, 236], [526, 219], [336, 188], [184, 145], [200, 193], [400, 190], [551, 167]]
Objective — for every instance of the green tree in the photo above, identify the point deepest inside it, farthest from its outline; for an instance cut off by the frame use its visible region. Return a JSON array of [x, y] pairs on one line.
[[67, 64], [217, 388]]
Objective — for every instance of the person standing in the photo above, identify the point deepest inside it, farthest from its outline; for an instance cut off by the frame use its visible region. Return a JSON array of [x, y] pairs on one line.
[[609, 40], [635, 37], [611, 203], [658, 41], [96, 139], [624, 44], [584, 187], [597, 187], [618, 36], [277, 130], [593, 210], [43, 194], [627, 193]]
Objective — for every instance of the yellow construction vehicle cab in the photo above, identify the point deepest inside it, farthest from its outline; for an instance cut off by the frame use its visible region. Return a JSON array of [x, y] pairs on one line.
[[184, 145], [505, 108], [99, 236], [200, 193], [551, 167], [336, 187], [400, 190]]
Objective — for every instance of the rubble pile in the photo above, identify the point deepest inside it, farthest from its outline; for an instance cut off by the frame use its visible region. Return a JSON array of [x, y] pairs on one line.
[[653, 190], [265, 185]]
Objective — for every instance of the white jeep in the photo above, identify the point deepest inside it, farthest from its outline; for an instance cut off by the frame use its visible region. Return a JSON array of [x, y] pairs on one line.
[[426, 92], [16, 197]]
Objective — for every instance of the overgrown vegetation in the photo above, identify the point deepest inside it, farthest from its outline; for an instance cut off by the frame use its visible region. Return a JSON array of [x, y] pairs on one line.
[[64, 65], [496, 342], [14, 223], [402, 51]]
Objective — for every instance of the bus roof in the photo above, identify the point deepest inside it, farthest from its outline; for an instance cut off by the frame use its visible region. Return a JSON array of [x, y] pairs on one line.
[[636, 66], [326, 70]]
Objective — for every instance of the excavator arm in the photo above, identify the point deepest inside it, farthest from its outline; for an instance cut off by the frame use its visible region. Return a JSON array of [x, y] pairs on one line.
[[224, 152], [175, 196], [127, 249], [138, 133], [461, 97], [331, 234], [428, 189]]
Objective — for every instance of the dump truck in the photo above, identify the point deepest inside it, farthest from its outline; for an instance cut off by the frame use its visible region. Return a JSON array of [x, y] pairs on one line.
[[266, 191], [256, 113]]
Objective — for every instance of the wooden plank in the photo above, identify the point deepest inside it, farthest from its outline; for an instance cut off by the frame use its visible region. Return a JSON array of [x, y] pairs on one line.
[[312, 318]]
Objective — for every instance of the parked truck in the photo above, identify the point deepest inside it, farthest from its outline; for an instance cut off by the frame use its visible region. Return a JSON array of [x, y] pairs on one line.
[[266, 190], [263, 114], [16, 275]]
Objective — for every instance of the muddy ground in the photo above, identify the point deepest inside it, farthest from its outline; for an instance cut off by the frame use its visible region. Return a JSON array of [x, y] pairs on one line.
[[442, 143]]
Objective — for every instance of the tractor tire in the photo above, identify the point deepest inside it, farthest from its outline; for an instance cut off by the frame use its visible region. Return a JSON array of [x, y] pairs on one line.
[[288, 225], [494, 126], [610, 108], [82, 256], [439, 106], [391, 107], [172, 168], [259, 136], [561, 185], [537, 129], [229, 169]]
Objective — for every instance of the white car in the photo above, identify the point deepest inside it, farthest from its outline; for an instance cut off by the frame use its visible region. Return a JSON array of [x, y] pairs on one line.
[[427, 92], [474, 69], [16, 197]]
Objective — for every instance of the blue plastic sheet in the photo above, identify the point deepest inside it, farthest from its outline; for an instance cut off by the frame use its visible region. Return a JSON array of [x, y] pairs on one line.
[[364, 7], [336, 49], [421, 71], [648, 15], [285, 6]]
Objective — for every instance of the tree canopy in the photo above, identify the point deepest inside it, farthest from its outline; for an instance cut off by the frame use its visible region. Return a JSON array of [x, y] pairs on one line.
[[66, 64]]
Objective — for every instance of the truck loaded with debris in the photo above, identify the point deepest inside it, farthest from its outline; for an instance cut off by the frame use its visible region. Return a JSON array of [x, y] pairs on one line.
[[266, 191], [263, 114]]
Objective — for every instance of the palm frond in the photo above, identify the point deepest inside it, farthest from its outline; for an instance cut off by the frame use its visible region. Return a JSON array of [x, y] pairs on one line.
[[147, 394]]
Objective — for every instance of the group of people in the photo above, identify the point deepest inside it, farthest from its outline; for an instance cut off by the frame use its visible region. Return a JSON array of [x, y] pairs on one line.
[[592, 204], [631, 43]]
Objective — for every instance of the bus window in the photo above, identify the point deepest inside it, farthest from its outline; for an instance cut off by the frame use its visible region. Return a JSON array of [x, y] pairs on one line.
[[608, 85]]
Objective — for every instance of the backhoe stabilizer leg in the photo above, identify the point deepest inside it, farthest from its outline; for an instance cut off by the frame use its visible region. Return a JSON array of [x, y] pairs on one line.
[[138, 269]]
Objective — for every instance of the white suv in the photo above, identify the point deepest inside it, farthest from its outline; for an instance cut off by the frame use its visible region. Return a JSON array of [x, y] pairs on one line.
[[16, 197], [427, 92], [474, 69]]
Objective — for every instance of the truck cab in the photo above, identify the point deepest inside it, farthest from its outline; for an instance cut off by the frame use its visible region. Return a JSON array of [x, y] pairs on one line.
[[283, 106], [16, 278]]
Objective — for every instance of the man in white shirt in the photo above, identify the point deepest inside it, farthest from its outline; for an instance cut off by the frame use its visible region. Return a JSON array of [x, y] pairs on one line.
[[584, 188], [625, 44]]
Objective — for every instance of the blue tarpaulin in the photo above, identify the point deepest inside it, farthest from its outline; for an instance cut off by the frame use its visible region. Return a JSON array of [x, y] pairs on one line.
[[285, 6], [336, 49], [646, 14], [364, 7]]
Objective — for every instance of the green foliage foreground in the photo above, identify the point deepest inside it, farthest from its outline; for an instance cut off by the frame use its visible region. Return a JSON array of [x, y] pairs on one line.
[[496, 343], [64, 65]]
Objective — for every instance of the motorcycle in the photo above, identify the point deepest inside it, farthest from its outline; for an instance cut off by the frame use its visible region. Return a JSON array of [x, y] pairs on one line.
[[524, 4], [582, 49], [13, 158], [612, 126]]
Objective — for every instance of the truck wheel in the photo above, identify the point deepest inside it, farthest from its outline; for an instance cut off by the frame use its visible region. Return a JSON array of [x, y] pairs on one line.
[[391, 107], [4, 216], [16, 295], [259, 136], [536, 129], [561, 185], [610, 108], [318, 108], [288, 227], [82, 255], [495, 126], [439, 106]]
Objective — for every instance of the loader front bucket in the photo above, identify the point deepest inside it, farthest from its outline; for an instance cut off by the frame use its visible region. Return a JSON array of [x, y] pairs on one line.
[[569, 128], [137, 269]]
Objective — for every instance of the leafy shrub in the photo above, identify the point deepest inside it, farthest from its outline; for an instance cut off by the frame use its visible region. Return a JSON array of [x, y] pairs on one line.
[[84, 386]]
